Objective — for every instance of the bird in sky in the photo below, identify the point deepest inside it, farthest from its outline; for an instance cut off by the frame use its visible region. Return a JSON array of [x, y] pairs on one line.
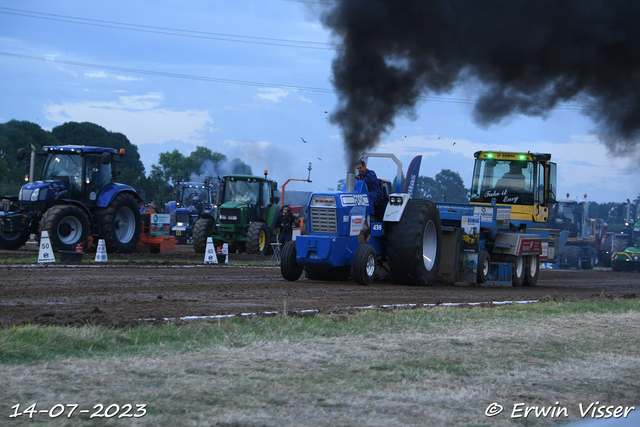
[[319, 158], [303, 140]]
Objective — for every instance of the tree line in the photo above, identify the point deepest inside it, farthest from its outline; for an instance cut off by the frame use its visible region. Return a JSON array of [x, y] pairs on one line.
[[157, 184], [202, 162]]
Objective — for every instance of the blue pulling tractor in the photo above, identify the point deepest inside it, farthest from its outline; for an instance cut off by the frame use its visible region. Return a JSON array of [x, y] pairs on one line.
[[417, 241], [75, 197]]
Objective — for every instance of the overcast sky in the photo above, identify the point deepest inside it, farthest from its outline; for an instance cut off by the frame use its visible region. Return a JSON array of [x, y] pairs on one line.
[[252, 79]]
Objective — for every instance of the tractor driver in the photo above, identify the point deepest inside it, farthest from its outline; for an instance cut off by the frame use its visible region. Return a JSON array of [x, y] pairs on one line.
[[371, 180], [514, 179]]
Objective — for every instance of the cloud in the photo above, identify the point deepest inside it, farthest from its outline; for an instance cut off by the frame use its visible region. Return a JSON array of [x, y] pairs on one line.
[[96, 74], [103, 75], [139, 117], [274, 95], [128, 78]]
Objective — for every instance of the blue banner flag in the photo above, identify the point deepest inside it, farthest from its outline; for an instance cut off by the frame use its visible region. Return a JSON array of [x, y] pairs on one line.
[[411, 182]]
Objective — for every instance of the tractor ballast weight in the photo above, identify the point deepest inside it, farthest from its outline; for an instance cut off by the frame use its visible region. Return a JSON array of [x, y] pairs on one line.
[[418, 241], [75, 198]]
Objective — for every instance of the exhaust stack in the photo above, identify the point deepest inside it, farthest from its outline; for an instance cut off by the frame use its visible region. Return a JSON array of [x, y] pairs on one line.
[[351, 182], [32, 165]]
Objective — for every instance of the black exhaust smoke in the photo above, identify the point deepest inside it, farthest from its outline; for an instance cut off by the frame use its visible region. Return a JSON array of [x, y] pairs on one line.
[[527, 56]]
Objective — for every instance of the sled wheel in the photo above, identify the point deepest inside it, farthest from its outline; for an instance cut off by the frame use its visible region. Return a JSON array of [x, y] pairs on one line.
[[484, 266], [518, 271], [532, 270]]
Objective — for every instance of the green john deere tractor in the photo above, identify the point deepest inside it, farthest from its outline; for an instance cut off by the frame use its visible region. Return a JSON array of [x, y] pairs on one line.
[[247, 209]]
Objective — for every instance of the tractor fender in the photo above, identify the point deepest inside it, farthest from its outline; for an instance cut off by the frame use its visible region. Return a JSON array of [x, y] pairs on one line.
[[395, 207], [86, 210], [170, 206], [112, 190]]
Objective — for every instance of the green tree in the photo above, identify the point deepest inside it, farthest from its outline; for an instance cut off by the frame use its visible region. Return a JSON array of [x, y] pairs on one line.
[[199, 164], [446, 183], [13, 135]]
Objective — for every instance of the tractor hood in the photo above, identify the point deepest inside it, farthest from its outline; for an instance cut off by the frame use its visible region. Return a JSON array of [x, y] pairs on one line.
[[233, 205], [43, 190]]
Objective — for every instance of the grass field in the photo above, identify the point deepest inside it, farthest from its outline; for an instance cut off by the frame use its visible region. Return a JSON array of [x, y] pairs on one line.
[[439, 366]]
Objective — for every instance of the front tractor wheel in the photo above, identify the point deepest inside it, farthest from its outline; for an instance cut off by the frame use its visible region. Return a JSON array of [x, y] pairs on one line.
[[414, 244], [67, 226], [121, 225], [258, 238], [364, 265], [15, 239], [201, 231], [289, 266]]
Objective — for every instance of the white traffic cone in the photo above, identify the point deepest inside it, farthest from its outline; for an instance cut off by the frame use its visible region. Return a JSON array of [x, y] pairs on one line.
[[45, 254], [101, 252], [225, 251], [210, 255]]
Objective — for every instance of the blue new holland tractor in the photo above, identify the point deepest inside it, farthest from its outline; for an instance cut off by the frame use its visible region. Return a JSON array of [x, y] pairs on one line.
[[193, 200], [74, 197]]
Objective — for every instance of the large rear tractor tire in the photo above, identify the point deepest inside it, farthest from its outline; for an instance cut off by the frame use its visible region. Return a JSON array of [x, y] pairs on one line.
[[289, 267], [592, 259], [414, 244], [573, 255], [201, 231], [258, 238], [604, 255], [364, 265], [67, 226], [121, 225], [619, 245]]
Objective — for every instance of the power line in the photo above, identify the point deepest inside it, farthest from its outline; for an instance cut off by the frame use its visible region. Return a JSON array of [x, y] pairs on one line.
[[173, 31], [165, 74], [250, 83]]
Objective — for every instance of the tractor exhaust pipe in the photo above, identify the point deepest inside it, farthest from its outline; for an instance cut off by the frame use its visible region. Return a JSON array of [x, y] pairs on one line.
[[32, 165], [351, 182]]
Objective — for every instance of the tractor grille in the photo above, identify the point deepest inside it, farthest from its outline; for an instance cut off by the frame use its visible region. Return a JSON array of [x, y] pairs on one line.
[[324, 221], [226, 214], [182, 217]]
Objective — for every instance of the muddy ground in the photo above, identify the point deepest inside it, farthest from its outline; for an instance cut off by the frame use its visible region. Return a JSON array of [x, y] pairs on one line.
[[140, 287]]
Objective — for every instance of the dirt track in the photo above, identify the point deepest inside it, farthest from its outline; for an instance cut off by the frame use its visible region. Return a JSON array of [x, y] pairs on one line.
[[126, 293]]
